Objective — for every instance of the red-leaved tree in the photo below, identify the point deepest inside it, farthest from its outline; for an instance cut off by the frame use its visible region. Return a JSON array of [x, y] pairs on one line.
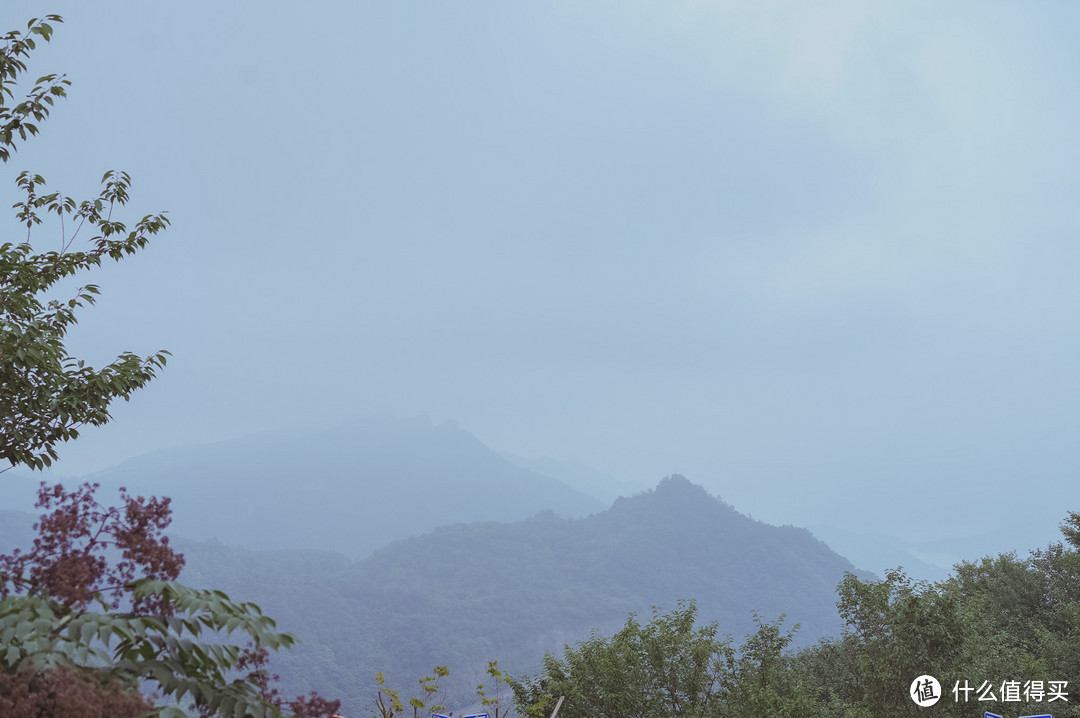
[[70, 560], [87, 552]]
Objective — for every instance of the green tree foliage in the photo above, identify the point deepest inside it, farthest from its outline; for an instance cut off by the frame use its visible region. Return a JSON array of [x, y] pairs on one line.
[[45, 393], [494, 703], [995, 625], [41, 636], [1071, 529], [896, 629], [15, 119], [64, 648], [763, 682], [1026, 615], [388, 701], [669, 666]]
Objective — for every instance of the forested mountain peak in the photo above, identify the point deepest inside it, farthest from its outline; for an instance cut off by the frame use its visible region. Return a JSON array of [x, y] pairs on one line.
[[467, 592], [674, 491]]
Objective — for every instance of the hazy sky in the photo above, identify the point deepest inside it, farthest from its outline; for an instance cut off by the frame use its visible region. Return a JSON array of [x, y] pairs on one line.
[[821, 258]]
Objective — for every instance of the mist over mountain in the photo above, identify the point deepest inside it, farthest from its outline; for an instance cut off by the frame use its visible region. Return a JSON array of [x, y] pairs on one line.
[[352, 488], [880, 553], [466, 594], [471, 560], [598, 484], [357, 487]]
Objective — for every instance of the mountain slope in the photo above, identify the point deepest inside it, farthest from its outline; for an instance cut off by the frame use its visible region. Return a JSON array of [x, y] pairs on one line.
[[351, 489], [466, 594]]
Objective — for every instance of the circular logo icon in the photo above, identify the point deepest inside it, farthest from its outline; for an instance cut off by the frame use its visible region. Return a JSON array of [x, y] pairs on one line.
[[925, 691]]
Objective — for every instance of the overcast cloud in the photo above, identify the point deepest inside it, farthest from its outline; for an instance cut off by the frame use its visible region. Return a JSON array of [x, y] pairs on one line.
[[819, 258]]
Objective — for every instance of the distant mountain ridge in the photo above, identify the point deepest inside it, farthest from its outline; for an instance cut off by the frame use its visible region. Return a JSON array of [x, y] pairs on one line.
[[353, 488], [493, 576], [226, 490], [582, 477], [468, 593]]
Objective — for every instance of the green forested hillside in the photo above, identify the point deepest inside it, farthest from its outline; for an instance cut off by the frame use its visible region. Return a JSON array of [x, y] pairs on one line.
[[466, 594], [998, 638]]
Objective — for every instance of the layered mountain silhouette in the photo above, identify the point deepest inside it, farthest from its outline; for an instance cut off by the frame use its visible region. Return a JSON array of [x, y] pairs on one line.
[[465, 594], [352, 489], [398, 546]]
